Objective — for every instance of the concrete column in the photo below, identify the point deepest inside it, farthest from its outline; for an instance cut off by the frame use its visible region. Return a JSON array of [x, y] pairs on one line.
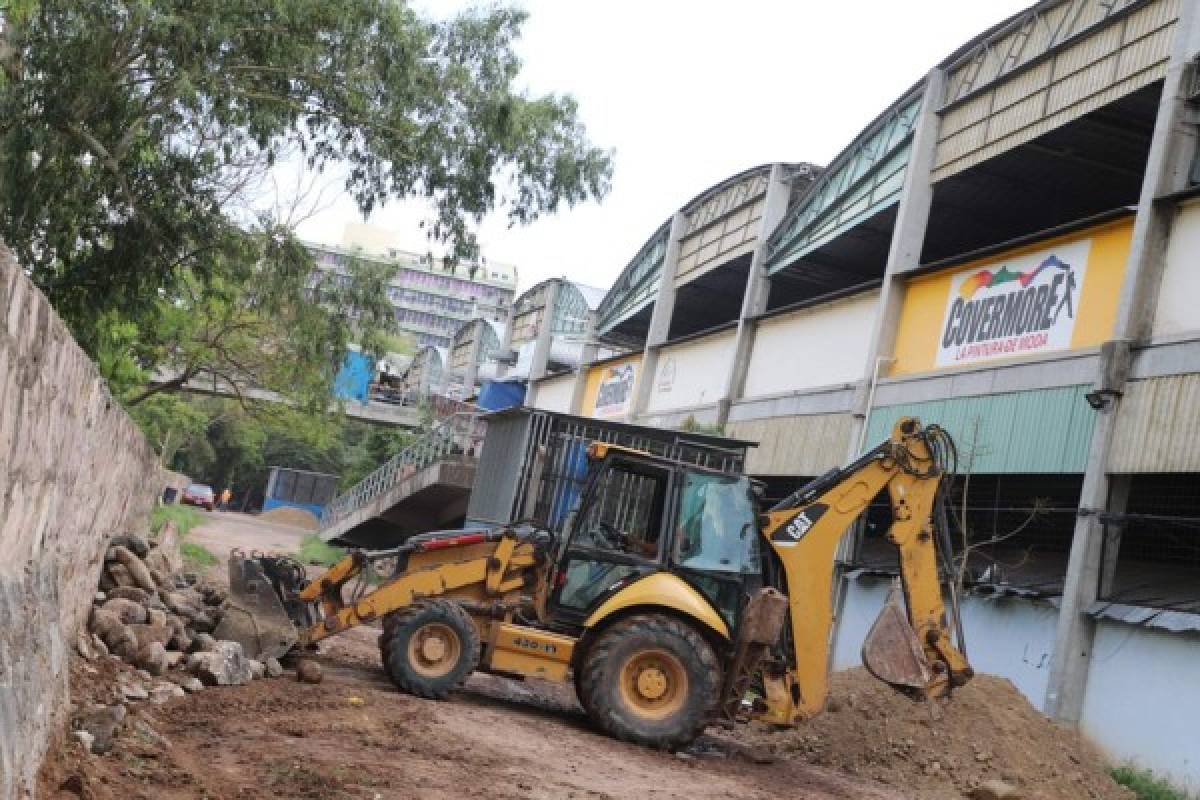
[[754, 300], [1118, 503], [443, 384], [590, 349], [506, 340], [545, 337], [660, 318], [904, 252], [1172, 149], [904, 255], [472, 369]]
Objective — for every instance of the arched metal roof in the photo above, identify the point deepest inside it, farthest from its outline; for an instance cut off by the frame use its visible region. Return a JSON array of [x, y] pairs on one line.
[[637, 285], [572, 308], [868, 175], [492, 330], [865, 178]]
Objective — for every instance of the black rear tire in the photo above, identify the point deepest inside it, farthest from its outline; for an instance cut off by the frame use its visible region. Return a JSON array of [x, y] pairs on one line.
[[652, 680], [430, 648]]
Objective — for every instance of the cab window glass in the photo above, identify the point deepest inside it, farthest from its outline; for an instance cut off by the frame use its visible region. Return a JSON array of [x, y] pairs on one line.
[[625, 514], [717, 527]]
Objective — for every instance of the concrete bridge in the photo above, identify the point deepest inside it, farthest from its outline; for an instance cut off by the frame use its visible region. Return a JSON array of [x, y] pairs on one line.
[[424, 487], [375, 412]]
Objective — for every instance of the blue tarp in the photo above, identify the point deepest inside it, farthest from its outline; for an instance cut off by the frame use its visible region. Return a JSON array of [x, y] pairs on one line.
[[353, 381], [567, 494], [499, 395]]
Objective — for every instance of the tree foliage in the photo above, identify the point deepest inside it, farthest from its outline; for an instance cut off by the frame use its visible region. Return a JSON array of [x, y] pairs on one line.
[[132, 134], [223, 443], [267, 322]]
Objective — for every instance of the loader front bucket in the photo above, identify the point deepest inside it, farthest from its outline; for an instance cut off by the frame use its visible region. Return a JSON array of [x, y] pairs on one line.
[[255, 615], [891, 651]]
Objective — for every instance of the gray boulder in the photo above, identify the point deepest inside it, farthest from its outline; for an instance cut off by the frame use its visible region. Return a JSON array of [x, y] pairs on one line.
[[225, 665]]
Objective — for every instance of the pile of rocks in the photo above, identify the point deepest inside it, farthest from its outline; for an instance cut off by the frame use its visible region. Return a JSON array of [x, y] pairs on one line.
[[153, 616]]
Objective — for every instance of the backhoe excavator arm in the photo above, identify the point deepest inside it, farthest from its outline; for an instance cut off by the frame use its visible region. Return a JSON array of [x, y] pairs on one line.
[[804, 531]]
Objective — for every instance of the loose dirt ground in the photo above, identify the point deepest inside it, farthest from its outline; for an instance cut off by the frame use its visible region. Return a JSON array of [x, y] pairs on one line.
[[222, 531], [355, 736]]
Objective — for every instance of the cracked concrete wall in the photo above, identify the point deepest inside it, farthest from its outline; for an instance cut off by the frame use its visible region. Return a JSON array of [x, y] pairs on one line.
[[74, 470]]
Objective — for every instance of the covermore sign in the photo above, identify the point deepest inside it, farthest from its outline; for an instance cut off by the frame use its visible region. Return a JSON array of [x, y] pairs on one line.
[[1022, 306], [1056, 295]]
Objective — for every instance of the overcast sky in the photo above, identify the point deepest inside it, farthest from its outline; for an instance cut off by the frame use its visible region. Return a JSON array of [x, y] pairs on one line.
[[689, 92]]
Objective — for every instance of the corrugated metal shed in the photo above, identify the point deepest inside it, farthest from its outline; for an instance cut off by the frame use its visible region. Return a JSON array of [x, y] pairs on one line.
[[495, 478], [1044, 430], [801, 445], [1158, 426], [1053, 66]]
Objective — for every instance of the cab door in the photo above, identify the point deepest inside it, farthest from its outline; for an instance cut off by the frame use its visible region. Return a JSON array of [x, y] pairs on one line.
[[619, 535], [715, 547]]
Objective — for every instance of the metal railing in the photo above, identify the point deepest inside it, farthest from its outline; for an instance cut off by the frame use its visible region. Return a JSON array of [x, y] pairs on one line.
[[459, 434]]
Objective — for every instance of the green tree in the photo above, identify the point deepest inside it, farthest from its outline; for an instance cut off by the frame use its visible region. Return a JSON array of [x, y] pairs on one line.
[[266, 321], [132, 133], [368, 448], [170, 423]]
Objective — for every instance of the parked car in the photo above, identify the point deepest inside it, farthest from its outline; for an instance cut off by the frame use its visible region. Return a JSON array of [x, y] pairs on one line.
[[198, 494]]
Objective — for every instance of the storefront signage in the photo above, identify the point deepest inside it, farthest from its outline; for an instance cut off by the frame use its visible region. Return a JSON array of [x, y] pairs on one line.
[[614, 395], [1019, 307]]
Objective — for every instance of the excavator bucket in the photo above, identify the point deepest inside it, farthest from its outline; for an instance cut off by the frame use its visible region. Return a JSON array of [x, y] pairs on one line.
[[255, 615], [891, 651]]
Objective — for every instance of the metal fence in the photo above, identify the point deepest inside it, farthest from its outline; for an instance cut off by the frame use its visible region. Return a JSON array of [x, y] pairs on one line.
[[555, 464], [1152, 549], [459, 434]]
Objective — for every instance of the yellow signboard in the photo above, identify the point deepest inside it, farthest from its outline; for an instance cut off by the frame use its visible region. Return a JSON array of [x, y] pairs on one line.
[[1055, 295], [610, 387]]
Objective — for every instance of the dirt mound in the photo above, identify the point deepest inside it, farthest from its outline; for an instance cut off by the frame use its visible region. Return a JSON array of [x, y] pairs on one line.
[[987, 731], [296, 517]]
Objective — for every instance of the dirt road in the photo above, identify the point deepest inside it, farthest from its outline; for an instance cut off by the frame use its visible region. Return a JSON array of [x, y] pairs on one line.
[[222, 531], [355, 736]]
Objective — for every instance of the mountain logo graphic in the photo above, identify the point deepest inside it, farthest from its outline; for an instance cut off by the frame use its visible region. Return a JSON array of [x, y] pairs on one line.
[[986, 279]]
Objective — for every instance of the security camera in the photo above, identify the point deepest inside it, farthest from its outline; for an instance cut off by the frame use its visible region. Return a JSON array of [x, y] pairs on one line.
[[1100, 398]]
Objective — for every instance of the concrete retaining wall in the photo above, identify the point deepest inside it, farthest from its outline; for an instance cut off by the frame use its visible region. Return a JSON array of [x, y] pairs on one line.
[[74, 470], [1143, 700]]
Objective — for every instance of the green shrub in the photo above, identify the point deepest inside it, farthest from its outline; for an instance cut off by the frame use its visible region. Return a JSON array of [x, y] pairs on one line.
[[314, 551], [184, 517], [196, 557], [1148, 786]]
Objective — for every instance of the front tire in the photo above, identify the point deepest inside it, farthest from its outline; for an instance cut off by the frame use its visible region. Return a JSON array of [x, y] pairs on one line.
[[429, 649], [651, 680]]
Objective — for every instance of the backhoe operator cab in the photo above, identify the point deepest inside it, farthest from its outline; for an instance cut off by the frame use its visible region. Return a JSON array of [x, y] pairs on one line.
[[641, 515], [668, 599]]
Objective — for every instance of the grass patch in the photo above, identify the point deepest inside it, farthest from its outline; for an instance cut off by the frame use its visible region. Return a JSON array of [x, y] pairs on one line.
[[196, 557], [184, 517], [1148, 786], [314, 551]]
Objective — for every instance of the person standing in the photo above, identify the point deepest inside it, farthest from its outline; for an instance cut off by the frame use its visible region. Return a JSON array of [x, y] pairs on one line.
[[226, 496]]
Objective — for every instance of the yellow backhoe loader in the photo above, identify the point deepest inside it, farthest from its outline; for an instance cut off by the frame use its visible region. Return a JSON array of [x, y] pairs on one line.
[[669, 601]]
